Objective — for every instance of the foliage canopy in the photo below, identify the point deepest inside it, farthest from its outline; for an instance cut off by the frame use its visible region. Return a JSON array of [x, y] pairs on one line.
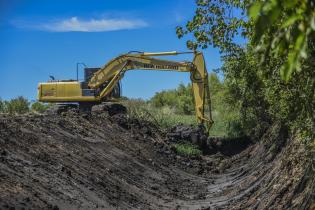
[[272, 77]]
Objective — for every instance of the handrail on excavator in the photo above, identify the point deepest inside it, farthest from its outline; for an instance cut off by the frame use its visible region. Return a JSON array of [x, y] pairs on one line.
[[159, 53]]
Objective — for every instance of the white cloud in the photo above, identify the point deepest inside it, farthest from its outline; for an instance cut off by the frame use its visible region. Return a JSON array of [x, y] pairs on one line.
[[92, 25]]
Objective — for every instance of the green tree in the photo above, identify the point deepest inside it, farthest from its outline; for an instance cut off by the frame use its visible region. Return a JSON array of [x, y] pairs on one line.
[[280, 44], [185, 104], [283, 28], [180, 99], [277, 28], [216, 85], [164, 98], [216, 23]]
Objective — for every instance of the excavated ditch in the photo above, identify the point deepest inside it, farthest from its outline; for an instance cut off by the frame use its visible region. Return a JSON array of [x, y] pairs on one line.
[[109, 161]]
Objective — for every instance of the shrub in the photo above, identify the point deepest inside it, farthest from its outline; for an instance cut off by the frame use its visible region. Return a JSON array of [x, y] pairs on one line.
[[39, 107], [2, 106], [164, 117], [18, 105]]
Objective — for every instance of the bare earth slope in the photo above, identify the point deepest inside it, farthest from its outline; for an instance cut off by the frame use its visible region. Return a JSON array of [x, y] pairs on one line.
[[71, 161]]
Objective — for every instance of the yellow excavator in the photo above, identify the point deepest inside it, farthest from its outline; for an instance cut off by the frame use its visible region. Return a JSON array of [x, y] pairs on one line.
[[102, 84]]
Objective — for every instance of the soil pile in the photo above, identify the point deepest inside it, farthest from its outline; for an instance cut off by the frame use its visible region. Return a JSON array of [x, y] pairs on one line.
[[209, 145], [108, 161]]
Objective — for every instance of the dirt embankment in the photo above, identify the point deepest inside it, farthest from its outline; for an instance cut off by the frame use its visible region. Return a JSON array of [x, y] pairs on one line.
[[73, 161]]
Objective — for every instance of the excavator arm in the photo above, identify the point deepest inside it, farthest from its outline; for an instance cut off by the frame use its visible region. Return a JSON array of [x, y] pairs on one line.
[[114, 71]]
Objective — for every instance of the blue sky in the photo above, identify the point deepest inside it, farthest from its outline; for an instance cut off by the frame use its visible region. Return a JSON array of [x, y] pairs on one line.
[[39, 38]]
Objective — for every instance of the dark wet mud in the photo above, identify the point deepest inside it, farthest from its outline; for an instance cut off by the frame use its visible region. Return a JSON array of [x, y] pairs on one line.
[[109, 161]]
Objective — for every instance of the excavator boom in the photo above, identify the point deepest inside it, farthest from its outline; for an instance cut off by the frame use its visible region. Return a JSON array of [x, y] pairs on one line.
[[137, 61]]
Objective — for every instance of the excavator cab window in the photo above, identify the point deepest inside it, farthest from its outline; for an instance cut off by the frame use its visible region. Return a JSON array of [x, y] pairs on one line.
[[116, 92], [86, 91]]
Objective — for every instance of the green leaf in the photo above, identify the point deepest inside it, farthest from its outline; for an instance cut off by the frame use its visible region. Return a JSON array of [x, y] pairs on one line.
[[291, 20], [313, 23], [303, 52], [286, 71], [179, 32], [299, 42], [254, 10], [260, 27], [289, 4], [274, 13], [288, 68], [300, 47], [298, 66]]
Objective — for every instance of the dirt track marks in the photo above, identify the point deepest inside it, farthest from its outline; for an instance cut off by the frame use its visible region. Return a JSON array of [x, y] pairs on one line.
[[70, 161]]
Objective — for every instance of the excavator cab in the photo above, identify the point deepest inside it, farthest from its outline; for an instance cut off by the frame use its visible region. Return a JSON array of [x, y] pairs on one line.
[[88, 74]]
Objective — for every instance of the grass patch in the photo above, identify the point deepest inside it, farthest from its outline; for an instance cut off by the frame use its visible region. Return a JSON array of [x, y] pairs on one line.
[[164, 117], [167, 117], [187, 149], [226, 119]]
